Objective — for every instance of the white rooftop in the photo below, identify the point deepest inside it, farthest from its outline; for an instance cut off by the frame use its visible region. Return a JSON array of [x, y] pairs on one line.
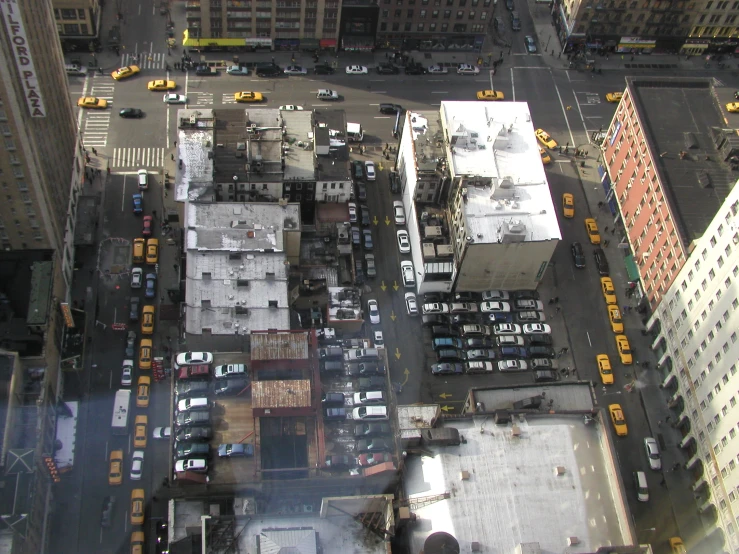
[[195, 177], [236, 267], [512, 495], [493, 144]]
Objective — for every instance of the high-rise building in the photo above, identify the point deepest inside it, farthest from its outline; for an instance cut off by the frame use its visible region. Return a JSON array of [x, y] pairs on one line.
[[697, 345], [78, 23], [41, 159]]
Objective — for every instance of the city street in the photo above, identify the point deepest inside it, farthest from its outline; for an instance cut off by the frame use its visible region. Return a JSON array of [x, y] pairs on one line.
[[568, 104]]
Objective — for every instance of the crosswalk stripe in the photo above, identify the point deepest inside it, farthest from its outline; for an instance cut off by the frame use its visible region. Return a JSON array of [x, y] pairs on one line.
[[138, 157], [157, 60]]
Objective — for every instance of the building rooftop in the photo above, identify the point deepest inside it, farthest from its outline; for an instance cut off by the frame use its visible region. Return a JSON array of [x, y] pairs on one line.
[[344, 304], [682, 115], [566, 395], [194, 180], [298, 149], [283, 345], [412, 419], [236, 267], [428, 140], [495, 502], [492, 146], [330, 145]]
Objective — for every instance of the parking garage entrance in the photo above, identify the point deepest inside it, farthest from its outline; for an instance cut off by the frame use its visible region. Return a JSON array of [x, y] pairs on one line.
[[284, 447]]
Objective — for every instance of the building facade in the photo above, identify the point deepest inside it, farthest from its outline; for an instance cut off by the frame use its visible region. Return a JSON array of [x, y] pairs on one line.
[[697, 344], [78, 23]]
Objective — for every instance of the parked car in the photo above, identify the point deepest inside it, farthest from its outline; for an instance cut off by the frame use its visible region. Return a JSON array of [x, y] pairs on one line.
[[229, 370], [373, 445], [194, 358], [372, 429], [232, 386], [239, 450], [601, 262], [447, 369]]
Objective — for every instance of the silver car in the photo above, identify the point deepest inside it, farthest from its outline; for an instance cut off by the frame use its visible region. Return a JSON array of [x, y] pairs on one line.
[[652, 449]]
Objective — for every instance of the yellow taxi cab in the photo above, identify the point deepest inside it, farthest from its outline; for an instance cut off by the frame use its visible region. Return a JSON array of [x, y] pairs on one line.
[[137, 542], [491, 95], [568, 205], [92, 103], [545, 157], [614, 96], [732, 107], [544, 138], [142, 393], [677, 545], [624, 349], [138, 250], [145, 348], [246, 96], [604, 369], [618, 419], [115, 473], [125, 72], [137, 507], [609, 293], [591, 227], [614, 315], [161, 84], [147, 320], [152, 251], [139, 430]]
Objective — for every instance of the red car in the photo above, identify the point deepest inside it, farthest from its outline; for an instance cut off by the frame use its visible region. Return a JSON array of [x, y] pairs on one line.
[[365, 460], [147, 226]]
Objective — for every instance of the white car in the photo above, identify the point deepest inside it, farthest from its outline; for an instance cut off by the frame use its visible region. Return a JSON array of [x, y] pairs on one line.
[[356, 70], [513, 365], [127, 375], [507, 329], [487, 307], [379, 340], [352, 212], [137, 277], [172, 98], [408, 273], [374, 312], [410, 303], [194, 358], [193, 464], [399, 212], [437, 70], [489, 295], [295, 70], [467, 69], [404, 245], [143, 179], [435, 308], [161, 432], [291, 108], [652, 449], [137, 465], [536, 328], [369, 169]]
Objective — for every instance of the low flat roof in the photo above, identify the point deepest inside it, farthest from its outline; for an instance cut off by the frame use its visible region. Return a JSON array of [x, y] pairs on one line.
[[282, 345], [512, 494], [670, 110], [299, 164]]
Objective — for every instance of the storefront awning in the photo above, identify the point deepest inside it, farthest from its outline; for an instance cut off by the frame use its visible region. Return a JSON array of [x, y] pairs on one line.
[[631, 269]]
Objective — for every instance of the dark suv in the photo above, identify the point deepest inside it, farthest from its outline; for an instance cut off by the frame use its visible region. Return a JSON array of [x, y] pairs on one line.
[[357, 170], [600, 261], [269, 70], [415, 69], [540, 339], [390, 108], [387, 69], [323, 70]]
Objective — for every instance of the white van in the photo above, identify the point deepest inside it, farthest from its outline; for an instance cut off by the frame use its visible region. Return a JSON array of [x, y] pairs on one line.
[[193, 404], [74, 69], [369, 397], [642, 489], [327, 94], [143, 179]]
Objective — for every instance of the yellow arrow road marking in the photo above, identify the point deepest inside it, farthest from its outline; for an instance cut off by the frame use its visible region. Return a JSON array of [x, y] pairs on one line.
[[383, 286], [406, 373], [395, 285], [397, 353], [445, 395], [387, 220]]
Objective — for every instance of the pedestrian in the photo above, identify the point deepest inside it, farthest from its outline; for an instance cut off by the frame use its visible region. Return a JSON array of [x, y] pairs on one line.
[[94, 151], [565, 350], [605, 242], [605, 229], [600, 204], [176, 267], [556, 299], [668, 418], [676, 466], [613, 231], [175, 144], [551, 301], [154, 213], [659, 423], [273, 60], [663, 482], [108, 171], [172, 155], [387, 146], [558, 309]]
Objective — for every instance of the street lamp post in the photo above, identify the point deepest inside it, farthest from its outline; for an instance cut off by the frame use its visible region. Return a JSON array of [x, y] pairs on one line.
[[492, 72]]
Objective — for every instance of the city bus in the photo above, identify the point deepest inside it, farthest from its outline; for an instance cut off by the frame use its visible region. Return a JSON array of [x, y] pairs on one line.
[[354, 132], [121, 407]]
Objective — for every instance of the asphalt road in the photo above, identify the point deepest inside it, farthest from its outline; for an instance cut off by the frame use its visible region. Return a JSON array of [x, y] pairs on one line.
[[568, 104]]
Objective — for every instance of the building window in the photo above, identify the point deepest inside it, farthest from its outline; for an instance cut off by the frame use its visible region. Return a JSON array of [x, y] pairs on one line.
[[460, 14], [471, 15], [484, 15], [419, 27], [447, 14]]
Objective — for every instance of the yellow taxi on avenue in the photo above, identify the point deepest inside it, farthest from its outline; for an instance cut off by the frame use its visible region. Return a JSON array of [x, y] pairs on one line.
[[161, 84], [125, 72], [491, 95], [92, 103], [246, 96], [543, 137]]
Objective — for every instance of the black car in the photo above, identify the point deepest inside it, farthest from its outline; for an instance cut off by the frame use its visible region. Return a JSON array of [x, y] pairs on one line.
[[466, 297], [205, 71], [432, 319], [394, 182], [449, 354], [372, 383], [357, 170], [444, 331], [501, 317], [204, 433], [230, 387], [371, 429], [358, 271], [269, 70], [391, 109], [434, 298], [577, 255], [131, 113], [361, 192], [415, 69], [447, 369], [525, 295], [191, 388], [365, 215], [461, 319], [323, 70], [356, 237], [106, 514], [335, 413], [540, 351], [478, 343], [387, 69], [340, 461], [600, 261], [540, 338]]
